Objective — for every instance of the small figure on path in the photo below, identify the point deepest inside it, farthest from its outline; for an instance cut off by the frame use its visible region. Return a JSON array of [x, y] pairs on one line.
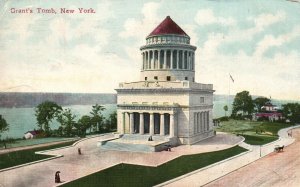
[[150, 138], [57, 177], [79, 150], [169, 148]]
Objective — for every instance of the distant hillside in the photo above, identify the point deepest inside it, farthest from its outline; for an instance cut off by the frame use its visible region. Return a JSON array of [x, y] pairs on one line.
[[17, 99]]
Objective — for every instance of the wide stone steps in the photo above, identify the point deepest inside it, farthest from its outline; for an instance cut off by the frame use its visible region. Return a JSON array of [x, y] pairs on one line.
[[136, 143]]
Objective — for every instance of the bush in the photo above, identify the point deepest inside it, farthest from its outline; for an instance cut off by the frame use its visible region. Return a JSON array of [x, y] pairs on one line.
[[224, 118]]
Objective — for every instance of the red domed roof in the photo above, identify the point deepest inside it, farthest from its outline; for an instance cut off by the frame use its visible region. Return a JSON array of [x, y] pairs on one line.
[[167, 26]]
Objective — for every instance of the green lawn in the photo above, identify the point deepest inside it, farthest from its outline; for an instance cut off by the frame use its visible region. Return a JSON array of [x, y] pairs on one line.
[[259, 140], [255, 133], [35, 141], [25, 156], [134, 175]]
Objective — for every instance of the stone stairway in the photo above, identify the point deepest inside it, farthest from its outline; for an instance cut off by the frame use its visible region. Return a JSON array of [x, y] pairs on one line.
[[136, 143]]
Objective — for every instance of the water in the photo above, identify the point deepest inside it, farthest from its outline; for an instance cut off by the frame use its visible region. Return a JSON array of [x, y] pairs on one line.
[[22, 120]]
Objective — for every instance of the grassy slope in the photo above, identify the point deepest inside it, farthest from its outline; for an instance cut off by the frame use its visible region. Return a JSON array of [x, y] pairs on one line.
[[255, 133], [25, 156], [134, 175]]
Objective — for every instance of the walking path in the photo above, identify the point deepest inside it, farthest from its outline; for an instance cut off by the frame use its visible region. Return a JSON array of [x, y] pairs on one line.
[[93, 159], [276, 169]]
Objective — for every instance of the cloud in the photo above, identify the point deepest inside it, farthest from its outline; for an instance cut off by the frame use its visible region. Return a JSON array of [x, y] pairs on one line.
[[136, 30], [140, 28], [207, 17], [270, 41], [264, 20]]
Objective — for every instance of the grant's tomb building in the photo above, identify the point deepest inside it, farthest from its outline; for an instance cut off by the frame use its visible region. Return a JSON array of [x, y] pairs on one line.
[[166, 103]]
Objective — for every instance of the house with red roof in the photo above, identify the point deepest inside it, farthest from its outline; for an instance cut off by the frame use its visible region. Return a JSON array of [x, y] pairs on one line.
[[268, 111], [32, 134]]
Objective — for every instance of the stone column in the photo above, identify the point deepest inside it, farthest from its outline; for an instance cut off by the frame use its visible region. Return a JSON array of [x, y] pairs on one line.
[[152, 59], [188, 60], [171, 60], [200, 122], [162, 124], [158, 60], [182, 59], [165, 60], [204, 122], [131, 130], [207, 120], [172, 126], [148, 59], [141, 123], [123, 123], [193, 61], [177, 59], [151, 128]]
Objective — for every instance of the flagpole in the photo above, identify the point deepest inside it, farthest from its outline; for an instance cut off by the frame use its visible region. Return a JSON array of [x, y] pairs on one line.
[[228, 90]]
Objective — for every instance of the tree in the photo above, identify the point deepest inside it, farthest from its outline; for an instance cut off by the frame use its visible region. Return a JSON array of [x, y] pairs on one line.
[[67, 122], [225, 109], [291, 111], [113, 120], [97, 118], [260, 102], [83, 124], [45, 113], [4, 126], [242, 103]]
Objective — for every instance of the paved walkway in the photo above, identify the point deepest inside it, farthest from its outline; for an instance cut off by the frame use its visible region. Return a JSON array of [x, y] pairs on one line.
[[276, 169], [93, 159]]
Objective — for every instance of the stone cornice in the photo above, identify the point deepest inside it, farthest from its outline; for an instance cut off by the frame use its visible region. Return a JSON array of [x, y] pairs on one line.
[[148, 107], [162, 90], [168, 46]]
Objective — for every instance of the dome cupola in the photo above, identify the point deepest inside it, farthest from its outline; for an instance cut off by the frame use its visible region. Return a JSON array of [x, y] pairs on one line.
[[168, 55]]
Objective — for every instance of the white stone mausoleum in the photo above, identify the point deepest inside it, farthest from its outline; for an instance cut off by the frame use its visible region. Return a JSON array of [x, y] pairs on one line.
[[166, 101]]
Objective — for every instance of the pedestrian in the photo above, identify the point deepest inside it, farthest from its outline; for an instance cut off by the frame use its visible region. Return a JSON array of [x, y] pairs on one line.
[[79, 150], [57, 177]]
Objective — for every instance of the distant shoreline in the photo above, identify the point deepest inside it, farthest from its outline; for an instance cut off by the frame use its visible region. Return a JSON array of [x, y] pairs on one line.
[[32, 99]]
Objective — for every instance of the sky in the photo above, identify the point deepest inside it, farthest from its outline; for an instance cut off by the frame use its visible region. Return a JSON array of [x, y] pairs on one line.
[[256, 42]]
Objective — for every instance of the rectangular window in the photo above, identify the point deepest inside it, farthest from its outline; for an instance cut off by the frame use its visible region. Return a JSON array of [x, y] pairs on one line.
[[168, 78], [155, 78], [186, 78], [201, 99]]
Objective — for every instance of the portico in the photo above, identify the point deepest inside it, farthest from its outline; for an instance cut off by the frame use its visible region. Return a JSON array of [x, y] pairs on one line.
[[151, 123]]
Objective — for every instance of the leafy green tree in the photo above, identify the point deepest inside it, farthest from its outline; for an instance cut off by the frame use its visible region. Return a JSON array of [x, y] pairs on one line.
[[45, 113], [67, 122], [225, 109], [260, 102], [291, 111], [83, 124], [242, 103], [4, 126], [113, 121], [97, 118]]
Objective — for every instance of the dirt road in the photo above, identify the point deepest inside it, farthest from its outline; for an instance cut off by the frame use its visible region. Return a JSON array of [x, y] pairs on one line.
[[276, 169]]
